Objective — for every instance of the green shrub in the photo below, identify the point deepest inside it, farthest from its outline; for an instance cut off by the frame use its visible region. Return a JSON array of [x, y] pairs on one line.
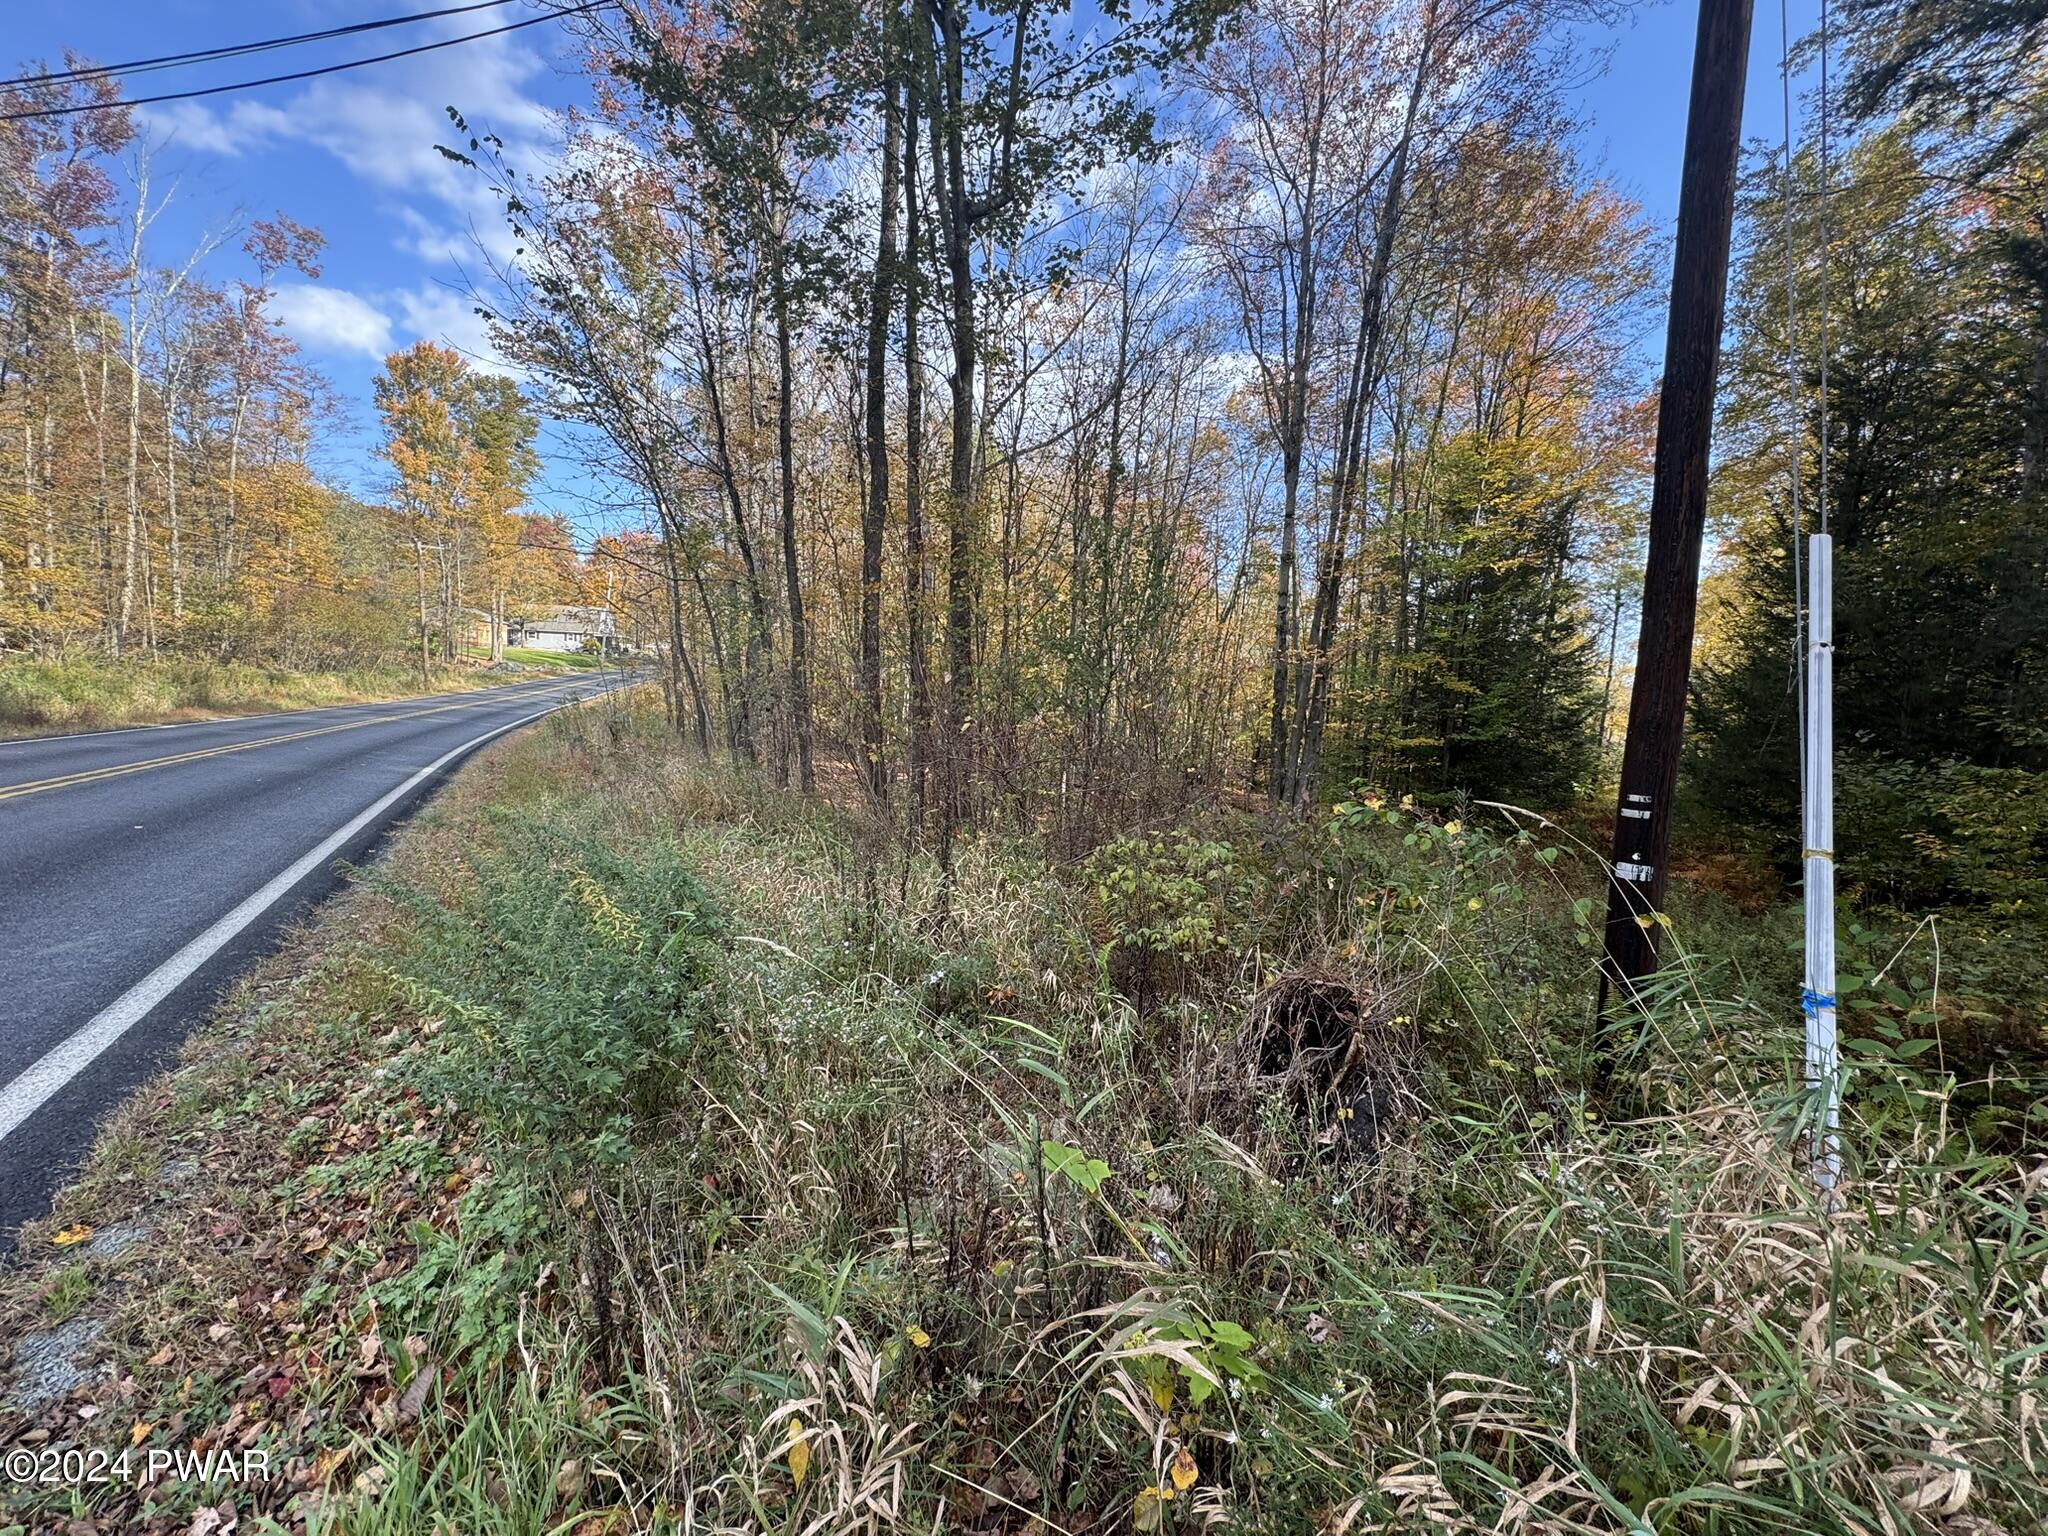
[[1164, 905], [572, 978]]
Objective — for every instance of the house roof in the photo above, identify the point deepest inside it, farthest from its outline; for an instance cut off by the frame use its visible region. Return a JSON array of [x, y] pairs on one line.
[[571, 621]]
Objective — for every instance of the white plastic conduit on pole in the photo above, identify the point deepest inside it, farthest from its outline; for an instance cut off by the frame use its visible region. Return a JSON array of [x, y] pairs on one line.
[[1823, 1061]]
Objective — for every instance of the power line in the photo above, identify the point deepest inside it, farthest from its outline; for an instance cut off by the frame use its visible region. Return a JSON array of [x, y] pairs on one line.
[[302, 74], [237, 50]]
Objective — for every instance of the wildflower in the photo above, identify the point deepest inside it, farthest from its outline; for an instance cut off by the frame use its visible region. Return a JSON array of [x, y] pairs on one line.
[[1453, 827], [1327, 1403], [1553, 1356], [1474, 904]]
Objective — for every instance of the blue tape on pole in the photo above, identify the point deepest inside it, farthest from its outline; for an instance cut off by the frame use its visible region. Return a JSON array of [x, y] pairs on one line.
[[1811, 1001]]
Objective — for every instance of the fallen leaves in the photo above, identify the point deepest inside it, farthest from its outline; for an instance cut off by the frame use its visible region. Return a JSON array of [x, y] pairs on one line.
[[78, 1232], [1148, 1510], [414, 1398], [799, 1451]]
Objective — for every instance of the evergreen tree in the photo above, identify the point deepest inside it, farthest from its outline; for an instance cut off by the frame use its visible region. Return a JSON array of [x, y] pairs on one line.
[[1941, 554]]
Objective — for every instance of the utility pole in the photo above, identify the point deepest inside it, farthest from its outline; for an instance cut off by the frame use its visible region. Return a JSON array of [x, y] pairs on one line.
[[1678, 496]]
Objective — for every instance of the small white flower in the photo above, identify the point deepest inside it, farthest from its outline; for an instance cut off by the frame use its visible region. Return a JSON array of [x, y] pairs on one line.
[[1553, 1355], [1236, 1389], [1326, 1402]]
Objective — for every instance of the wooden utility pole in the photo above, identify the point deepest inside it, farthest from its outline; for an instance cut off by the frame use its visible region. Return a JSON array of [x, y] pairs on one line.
[[1678, 495]]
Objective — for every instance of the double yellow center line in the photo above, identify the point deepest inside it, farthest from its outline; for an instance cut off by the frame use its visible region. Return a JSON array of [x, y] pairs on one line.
[[118, 770]]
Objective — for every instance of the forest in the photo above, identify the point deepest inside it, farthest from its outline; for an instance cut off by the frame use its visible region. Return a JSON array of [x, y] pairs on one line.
[[1065, 998], [1067, 425], [161, 434]]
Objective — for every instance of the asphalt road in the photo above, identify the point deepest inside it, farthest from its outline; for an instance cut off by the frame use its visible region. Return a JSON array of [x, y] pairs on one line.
[[142, 870]]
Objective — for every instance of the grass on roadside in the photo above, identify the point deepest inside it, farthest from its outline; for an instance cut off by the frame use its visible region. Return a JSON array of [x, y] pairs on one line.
[[97, 693], [627, 1155], [577, 661]]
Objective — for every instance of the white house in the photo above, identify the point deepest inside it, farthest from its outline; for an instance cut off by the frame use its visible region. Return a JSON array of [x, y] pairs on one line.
[[568, 630]]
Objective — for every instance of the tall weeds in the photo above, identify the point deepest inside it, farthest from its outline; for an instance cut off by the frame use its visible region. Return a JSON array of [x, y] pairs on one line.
[[980, 1227]]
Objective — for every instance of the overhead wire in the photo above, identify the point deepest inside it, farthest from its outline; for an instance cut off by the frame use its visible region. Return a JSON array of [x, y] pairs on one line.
[[239, 50], [302, 74]]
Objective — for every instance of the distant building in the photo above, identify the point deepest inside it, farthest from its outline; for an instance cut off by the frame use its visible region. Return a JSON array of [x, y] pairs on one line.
[[567, 630], [476, 627]]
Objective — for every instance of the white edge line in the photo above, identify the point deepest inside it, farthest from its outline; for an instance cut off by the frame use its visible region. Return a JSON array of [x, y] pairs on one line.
[[38, 1083], [274, 714]]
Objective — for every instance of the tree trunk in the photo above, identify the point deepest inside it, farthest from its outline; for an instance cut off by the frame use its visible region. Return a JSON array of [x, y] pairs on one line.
[[681, 673], [917, 643], [1352, 456], [785, 448], [876, 513], [760, 648], [419, 552], [957, 231], [171, 498]]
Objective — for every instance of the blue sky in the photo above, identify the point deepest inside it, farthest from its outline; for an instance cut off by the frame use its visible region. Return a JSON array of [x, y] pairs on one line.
[[353, 155]]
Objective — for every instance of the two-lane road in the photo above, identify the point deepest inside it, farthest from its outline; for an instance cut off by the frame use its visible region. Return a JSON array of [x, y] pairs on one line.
[[142, 870]]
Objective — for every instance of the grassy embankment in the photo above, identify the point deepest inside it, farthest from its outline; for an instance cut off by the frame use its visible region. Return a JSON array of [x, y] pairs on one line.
[[93, 693], [577, 661], [613, 1161]]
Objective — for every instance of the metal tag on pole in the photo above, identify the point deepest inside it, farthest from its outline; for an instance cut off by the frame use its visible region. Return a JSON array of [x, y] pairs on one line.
[[1823, 1060]]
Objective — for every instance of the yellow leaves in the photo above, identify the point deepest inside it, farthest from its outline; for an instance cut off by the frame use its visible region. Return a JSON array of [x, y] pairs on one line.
[[618, 926], [140, 1432], [76, 1233], [1162, 1391], [798, 1451], [1148, 1510]]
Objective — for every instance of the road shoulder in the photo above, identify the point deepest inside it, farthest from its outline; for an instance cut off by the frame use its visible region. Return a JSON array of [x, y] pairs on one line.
[[182, 1294]]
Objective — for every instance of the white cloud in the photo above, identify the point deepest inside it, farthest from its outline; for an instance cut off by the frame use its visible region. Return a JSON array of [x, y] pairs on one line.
[[383, 124], [331, 319], [439, 244], [229, 131], [434, 313]]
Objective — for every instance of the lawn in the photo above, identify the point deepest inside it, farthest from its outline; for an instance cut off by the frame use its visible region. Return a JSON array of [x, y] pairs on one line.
[[573, 660]]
